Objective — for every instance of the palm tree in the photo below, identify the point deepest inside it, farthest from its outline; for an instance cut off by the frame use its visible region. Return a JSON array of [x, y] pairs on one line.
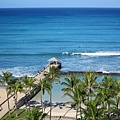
[[25, 84], [15, 88], [28, 83], [52, 75], [107, 94], [44, 85], [89, 82], [75, 90], [108, 85], [93, 112], [77, 97], [116, 102], [5, 79], [70, 83]]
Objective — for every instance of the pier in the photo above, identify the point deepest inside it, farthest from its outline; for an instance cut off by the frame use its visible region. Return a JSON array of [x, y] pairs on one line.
[[52, 62], [22, 98]]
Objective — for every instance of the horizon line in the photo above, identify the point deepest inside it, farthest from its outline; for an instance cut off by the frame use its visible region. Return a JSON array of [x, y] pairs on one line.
[[58, 7]]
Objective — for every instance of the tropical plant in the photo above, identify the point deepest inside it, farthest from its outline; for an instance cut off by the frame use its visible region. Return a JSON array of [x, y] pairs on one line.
[[35, 114], [94, 111], [77, 97], [15, 88], [89, 82], [52, 75], [116, 99], [72, 90], [108, 85], [70, 83], [5, 79], [44, 86], [28, 83]]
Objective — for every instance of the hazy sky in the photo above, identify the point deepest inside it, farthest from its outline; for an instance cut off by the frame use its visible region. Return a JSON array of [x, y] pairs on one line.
[[59, 3]]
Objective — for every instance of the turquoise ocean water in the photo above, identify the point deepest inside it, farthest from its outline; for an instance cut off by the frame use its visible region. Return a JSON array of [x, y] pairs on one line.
[[83, 38]]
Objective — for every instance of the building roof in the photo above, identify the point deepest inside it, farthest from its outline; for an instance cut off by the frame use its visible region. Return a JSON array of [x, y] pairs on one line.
[[53, 59]]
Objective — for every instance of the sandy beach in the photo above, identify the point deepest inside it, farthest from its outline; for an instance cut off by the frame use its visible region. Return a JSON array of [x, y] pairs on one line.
[[3, 97], [64, 111]]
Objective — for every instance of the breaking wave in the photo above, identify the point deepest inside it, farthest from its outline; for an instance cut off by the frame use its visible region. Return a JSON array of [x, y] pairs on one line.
[[93, 54], [101, 54]]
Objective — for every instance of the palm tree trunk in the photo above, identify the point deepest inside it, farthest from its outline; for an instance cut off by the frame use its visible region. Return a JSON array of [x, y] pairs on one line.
[[41, 99], [16, 105], [8, 102], [80, 111], [29, 97], [26, 100], [118, 105], [76, 111], [50, 103]]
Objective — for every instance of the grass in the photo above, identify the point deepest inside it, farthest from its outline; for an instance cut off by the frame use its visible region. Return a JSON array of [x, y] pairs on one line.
[[12, 116]]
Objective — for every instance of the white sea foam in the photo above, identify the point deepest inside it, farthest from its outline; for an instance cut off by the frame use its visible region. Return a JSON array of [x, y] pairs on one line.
[[75, 53], [20, 71], [101, 54], [65, 53]]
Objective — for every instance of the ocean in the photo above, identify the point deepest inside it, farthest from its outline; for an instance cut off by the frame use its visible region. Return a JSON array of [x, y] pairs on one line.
[[82, 38]]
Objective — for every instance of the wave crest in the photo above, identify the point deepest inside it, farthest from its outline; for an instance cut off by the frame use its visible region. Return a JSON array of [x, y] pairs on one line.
[[92, 54], [101, 54]]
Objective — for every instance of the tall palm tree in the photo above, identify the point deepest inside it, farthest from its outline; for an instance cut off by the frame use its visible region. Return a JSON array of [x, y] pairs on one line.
[[77, 97], [28, 83], [52, 75], [5, 78], [44, 86], [25, 84], [15, 88], [75, 90], [108, 85], [89, 82], [70, 83]]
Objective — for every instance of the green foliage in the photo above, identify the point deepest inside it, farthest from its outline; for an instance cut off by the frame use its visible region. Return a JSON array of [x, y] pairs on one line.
[[34, 114], [14, 88], [70, 84], [12, 116], [92, 100], [95, 100], [5, 78]]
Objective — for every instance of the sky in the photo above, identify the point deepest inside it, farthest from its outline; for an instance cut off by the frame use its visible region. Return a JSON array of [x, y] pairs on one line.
[[59, 3]]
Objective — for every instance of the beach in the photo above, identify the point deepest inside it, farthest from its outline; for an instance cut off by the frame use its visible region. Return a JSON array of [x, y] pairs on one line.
[[3, 97], [56, 111]]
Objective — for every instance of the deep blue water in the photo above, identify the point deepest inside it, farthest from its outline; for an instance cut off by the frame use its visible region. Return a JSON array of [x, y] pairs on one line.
[[29, 37]]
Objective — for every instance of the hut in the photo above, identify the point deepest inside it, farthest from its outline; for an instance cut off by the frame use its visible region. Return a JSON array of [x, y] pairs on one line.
[[55, 61]]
